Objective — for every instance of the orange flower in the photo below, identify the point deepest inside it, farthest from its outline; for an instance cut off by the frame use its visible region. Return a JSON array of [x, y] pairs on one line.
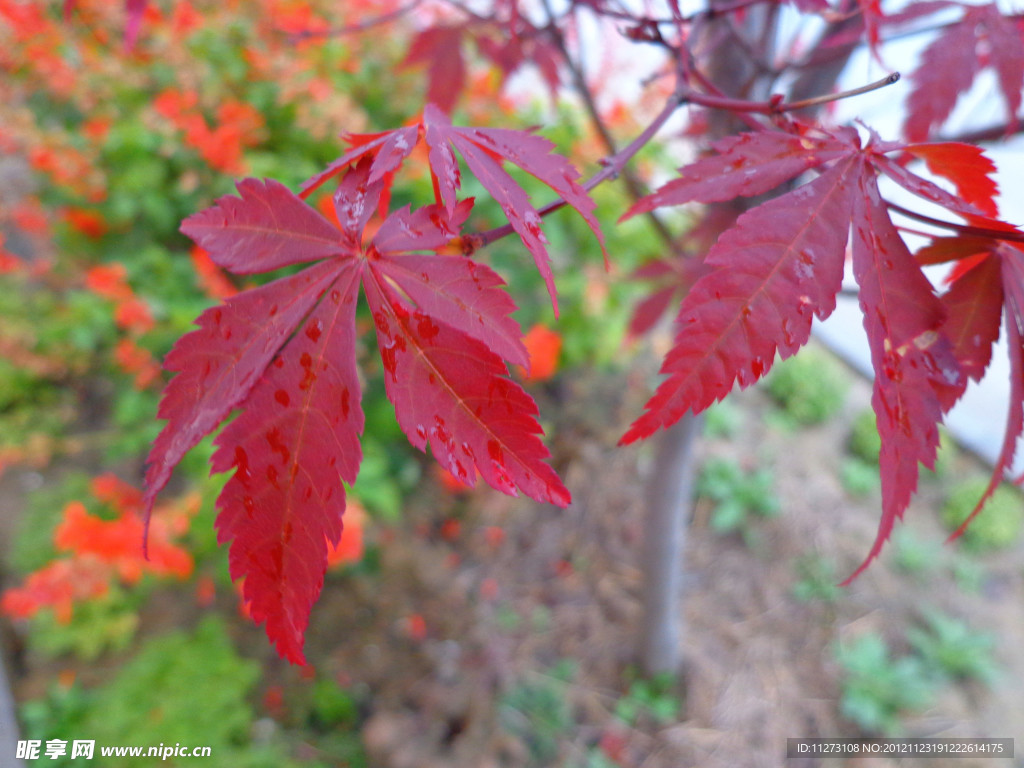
[[133, 315], [118, 543], [8, 261], [543, 346], [28, 216], [89, 223], [350, 547], [132, 358], [211, 277], [110, 281], [185, 18], [111, 490], [97, 128]]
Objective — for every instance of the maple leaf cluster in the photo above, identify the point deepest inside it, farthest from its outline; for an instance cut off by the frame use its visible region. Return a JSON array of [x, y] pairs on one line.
[[782, 264], [283, 354]]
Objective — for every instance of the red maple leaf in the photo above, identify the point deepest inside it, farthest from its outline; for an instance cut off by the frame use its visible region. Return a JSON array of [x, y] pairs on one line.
[[284, 354], [440, 48], [484, 150], [949, 65], [782, 263]]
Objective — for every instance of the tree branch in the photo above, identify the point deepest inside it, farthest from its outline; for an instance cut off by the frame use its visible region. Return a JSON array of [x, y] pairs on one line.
[[613, 167]]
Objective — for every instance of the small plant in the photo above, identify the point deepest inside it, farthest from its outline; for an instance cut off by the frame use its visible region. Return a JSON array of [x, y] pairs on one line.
[[859, 478], [914, 555], [538, 714], [723, 419], [737, 494], [653, 697], [818, 580], [810, 388], [951, 649], [877, 689], [865, 442], [997, 526]]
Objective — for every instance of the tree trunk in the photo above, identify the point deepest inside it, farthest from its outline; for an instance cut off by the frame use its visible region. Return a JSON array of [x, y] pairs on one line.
[[669, 500], [8, 724], [671, 485]]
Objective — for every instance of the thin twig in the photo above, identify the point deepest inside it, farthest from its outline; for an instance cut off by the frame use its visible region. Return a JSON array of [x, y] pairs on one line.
[[359, 26], [777, 106], [633, 184], [612, 169]]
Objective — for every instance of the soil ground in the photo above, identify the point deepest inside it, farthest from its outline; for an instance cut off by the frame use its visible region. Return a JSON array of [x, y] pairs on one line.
[[498, 615]]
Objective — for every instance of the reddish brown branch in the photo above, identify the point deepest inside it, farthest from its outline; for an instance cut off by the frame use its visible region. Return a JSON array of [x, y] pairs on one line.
[[964, 229]]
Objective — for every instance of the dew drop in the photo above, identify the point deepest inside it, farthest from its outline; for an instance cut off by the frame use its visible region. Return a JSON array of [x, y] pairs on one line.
[[421, 432], [335, 296], [272, 311], [282, 397], [249, 505], [314, 329]]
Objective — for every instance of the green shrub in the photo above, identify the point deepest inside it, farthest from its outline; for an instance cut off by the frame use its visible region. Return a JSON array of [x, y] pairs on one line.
[[951, 649], [865, 443], [996, 526], [817, 580], [180, 688], [877, 689], [859, 478], [810, 387], [653, 697], [737, 493]]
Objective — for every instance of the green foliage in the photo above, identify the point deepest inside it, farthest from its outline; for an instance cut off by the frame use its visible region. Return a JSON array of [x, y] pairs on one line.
[[180, 688], [737, 494], [859, 478], [809, 387], [865, 442], [106, 623], [32, 546], [952, 649], [596, 758], [877, 689], [654, 698], [58, 715], [538, 713], [997, 526], [817, 580], [914, 555], [723, 419]]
